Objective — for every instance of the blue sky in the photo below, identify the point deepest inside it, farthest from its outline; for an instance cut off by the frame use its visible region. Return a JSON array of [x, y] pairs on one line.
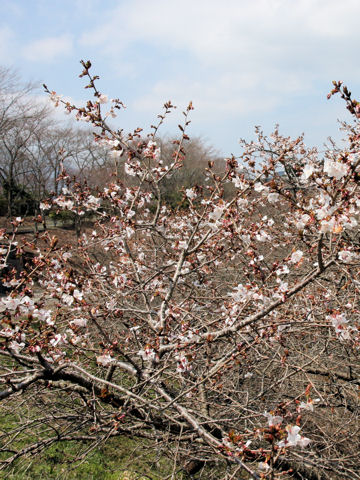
[[242, 62]]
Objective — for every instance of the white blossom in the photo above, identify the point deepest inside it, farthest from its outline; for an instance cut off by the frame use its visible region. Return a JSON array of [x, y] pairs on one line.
[[58, 339], [129, 169], [328, 226], [115, 153], [307, 171], [273, 197], [263, 467], [294, 438], [335, 169], [16, 346], [79, 322], [216, 213], [296, 256], [64, 203], [190, 193], [301, 223], [104, 360]]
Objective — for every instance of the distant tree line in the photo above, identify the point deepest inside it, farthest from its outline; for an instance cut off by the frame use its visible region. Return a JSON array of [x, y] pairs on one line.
[[35, 147]]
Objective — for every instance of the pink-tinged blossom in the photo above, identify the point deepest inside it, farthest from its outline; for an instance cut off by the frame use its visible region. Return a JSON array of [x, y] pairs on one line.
[[147, 354], [79, 322], [273, 419], [309, 405], [55, 98], [354, 158], [152, 150], [10, 303], [104, 360], [263, 467], [35, 348], [129, 169], [111, 113], [262, 236], [113, 143], [282, 289], [296, 256], [44, 206], [190, 193], [182, 244], [346, 256], [183, 364], [335, 169], [238, 183], [103, 98], [119, 280], [44, 316], [7, 332], [242, 203], [324, 212], [339, 322], [283, 270], [111, 305], [58, 339], [129, 232], [348, 222], [328, 226]]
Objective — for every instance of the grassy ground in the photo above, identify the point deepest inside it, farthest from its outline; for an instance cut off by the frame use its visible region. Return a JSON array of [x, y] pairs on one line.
[[119, 459]]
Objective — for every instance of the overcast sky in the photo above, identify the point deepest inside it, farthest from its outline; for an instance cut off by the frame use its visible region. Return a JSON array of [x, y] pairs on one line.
[[242, 62]]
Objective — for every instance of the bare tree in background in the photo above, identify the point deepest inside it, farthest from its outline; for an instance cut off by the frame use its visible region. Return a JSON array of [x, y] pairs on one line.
[[22, 121]]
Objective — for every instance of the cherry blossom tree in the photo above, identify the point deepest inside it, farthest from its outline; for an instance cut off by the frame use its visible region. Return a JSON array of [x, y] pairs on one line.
[[224, 336]]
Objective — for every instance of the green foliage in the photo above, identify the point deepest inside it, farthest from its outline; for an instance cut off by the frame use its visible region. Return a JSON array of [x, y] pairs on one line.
[[62, 216], [22, 201], [3, 206]]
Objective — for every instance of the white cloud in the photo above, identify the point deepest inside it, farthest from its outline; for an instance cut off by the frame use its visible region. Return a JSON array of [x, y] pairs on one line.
[[254, 52], [210, 30], [211, 97], [49, 49]]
